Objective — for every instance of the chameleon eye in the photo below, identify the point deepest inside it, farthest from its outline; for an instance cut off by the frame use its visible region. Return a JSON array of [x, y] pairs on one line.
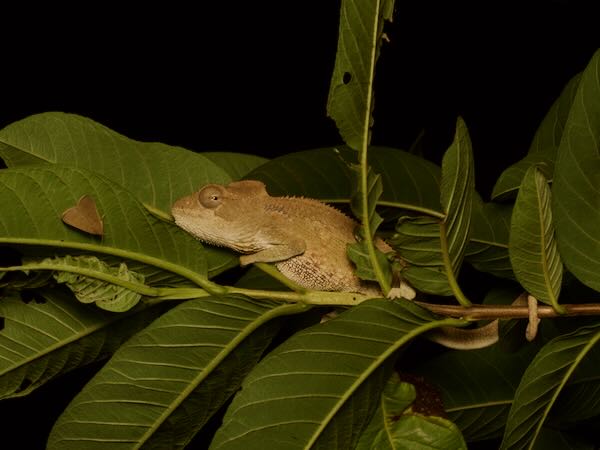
[[210, 197]]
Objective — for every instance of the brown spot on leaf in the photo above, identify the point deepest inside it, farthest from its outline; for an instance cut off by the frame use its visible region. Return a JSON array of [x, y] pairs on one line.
[[84, 216]]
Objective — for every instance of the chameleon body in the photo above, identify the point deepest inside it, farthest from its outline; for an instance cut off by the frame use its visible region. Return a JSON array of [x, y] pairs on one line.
[[306, 239]]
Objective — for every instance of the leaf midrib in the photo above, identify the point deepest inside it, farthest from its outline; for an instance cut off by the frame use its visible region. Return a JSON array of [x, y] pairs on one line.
[[374, 366], [114, 251], [87, 331], [282, 310]]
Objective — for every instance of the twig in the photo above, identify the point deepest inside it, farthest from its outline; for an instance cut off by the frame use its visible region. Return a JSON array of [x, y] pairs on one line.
[[482, 312]]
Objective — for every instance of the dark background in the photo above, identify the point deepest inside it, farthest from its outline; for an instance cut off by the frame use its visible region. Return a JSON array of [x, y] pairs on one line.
[[253, 77]]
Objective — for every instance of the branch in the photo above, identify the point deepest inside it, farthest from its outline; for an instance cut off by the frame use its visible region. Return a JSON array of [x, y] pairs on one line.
[[481, 312]]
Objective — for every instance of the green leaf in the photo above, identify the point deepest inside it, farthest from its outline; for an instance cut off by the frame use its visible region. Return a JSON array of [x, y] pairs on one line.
[[477, 386], [54, 334], [324, 175], [359, 255], [533, 250], [541, 384], [457, 189], [442, 243], [394, 400], [351, 90], [164, 384], [365, 207], [319, 388], [417, 239], [350, 104], [543, 149], [488, 245], [237, 165], [156, 174], [430, 432], [395, 426], [371, 263], [107, 296], [576, 188], [580, 398], [37, 196]]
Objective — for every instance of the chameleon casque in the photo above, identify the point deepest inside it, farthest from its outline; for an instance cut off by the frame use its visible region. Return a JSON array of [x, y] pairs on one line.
[[305, 238]]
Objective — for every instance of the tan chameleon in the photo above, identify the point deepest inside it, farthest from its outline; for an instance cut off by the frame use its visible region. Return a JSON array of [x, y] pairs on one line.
[[306, 239]]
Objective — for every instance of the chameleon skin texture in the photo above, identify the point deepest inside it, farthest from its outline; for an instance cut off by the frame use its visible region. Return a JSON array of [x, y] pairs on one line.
[[306, 239]]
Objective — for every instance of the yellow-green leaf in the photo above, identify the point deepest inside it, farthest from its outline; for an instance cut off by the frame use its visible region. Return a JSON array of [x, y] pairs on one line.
[[532, 248]]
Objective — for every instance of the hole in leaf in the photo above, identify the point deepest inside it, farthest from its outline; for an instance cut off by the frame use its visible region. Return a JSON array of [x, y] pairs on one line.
[[346, 78], [24, 385], [29, 295], [1, 323], [9, 257]]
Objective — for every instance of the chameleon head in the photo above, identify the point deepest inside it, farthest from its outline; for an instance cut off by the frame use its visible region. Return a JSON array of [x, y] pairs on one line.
[[227, 216]]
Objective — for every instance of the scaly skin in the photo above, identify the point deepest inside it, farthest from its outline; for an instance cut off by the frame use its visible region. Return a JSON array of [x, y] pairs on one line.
[[306, 239]]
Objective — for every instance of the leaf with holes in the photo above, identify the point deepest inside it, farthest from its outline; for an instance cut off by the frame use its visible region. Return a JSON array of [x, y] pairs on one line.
[[533, 251], [305, 393], [54, 334], [350, 92], [576, 187], [541, 384], [350, 105], [165, 383]]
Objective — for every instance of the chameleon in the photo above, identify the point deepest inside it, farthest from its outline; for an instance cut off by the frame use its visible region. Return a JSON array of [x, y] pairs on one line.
[[306, 240]]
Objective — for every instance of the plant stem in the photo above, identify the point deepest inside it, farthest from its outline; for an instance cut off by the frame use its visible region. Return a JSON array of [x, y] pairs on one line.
[[456, 290], [322, 298], [484, 312]]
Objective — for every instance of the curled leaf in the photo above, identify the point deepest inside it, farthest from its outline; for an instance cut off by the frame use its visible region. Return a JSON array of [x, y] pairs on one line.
[[108, 296]]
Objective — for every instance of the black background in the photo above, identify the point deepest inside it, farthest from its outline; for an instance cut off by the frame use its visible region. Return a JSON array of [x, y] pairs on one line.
[[253, 77]]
